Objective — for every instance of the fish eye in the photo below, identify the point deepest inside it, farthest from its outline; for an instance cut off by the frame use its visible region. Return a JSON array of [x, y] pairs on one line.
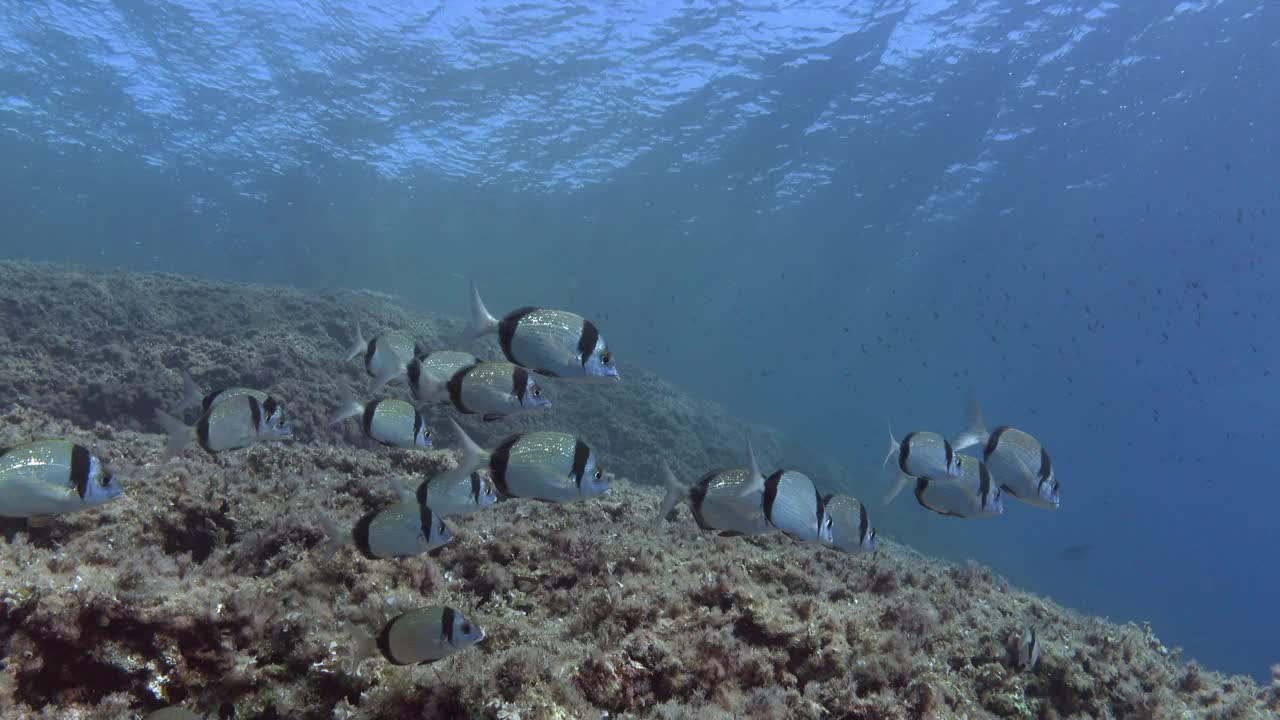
[[466, 628], [599, 474], [537, 391], [105, 479], [605, 356]]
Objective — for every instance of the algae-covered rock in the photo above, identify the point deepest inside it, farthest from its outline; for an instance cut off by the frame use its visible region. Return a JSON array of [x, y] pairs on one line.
[[205, 586]]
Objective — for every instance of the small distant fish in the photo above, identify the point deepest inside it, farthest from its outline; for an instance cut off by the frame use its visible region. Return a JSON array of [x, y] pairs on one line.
[[236, 422], [850, 529], [549, 342], [1076, 553], [919, 454], [51, 477], [491, 390], [452, 493], [1029, 650], [1017, 461], [391, 422], [194, 396], [385, 356], [972, 495], [405, 529], [426, 373], [420, 637], [728, 500], [792, 504], [550, 466]]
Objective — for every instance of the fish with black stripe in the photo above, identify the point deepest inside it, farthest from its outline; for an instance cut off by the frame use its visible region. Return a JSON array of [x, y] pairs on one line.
[[237, 422], [555, 343], [492, 390], [727, 500], [385, 355], [550, 466], [51, 477], [419, 637], [851, 530], [427, 371], [194, 396], [405, 529], [388, 421], [793, 504], [1017, 461], [973, 494], [452, 493], [1029, 650], [919, 454]]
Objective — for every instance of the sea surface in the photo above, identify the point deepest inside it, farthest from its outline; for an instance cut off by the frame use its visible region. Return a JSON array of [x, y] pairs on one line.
[[830, 217]]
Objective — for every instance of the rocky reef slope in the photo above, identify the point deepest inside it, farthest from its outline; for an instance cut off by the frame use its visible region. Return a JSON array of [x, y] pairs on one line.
[[204, 586]]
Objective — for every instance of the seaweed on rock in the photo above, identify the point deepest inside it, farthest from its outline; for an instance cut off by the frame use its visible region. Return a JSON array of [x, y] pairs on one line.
[[204, 585]]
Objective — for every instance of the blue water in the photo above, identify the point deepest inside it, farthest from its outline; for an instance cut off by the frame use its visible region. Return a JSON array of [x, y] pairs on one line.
[[823, 215]]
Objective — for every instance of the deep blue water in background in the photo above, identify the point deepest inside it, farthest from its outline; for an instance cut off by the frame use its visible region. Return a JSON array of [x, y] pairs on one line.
[[823, 215]]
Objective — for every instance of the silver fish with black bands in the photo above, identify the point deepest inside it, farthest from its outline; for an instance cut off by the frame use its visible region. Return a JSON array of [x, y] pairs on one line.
[[421, 637], [1018, 462], [428, 373], [405, 529], [451, 493], [851, 530], [727, 500], [919, 454], [237, 422], [550, 466], [555, 343], [492, 390], [792, 504], [388, 421], [51, 477], [386, 355], [972, 495]]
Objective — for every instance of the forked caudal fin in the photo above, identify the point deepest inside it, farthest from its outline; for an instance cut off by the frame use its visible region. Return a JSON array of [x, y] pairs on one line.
[[381, 379], [358, 345], [179, 434], [192, 395], [900, 480], [474, 457], [482, 321], [975, 432], [335, 537], [347, 406], [894, 446], [755, 483], [675, 492]]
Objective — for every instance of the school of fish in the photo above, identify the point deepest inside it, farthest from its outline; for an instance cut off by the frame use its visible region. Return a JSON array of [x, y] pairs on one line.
[[45, 478]]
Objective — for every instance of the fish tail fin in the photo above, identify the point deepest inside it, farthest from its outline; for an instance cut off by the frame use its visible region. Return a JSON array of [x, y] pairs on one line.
[[192, 395], [179, 434], [756, 484], [402, 491], [975, 431], [362, 644], [675, 492], [358, 345], [482, 321], [335, 538], [473, 456], [426, 389], [893, 444], [381, 379], [900, 480], [348, 406]]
